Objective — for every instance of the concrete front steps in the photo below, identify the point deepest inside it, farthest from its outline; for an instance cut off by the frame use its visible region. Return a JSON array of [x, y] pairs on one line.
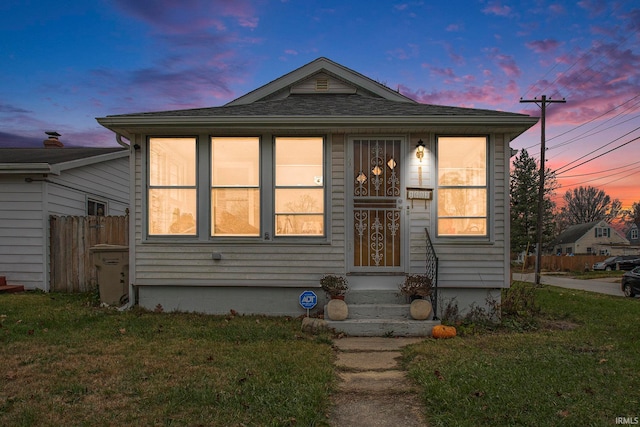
[[380, 313], [6, 288]]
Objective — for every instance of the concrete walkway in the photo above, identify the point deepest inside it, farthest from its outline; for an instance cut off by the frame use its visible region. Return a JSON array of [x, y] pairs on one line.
[[602, 286], [373, 390]]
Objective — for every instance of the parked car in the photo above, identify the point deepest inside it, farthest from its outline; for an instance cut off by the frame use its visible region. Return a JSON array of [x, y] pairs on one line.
[[631, 282], [623, 262]]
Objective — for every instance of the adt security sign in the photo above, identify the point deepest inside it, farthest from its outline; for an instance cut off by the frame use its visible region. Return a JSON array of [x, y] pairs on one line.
[[308, 299]]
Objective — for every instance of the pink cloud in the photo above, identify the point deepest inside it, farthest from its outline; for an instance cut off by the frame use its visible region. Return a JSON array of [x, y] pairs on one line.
[[454, 27], [471, 96], [543, 46], [505, 62], [188, 15], [557, 9], [594, 7], [495, 8]]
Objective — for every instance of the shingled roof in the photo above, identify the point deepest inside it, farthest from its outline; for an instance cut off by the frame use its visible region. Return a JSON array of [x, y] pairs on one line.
[[573, 233], [354, 101], [327, 105]]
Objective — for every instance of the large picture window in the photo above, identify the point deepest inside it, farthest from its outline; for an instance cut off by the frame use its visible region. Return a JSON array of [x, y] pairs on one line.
[[462, 186], [235, 186], [299, 186], [252, 186], [172, 186]]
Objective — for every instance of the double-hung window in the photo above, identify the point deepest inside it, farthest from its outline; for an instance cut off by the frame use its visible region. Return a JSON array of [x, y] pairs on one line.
[[258, 187], [299, 186], [235, 186], [172, 197], [462, 186]]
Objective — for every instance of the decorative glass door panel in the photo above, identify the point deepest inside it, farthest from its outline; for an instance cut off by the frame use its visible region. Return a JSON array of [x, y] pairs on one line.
[[376, 214]]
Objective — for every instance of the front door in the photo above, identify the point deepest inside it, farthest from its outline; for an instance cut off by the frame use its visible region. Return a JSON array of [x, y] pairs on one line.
[[377, 223]]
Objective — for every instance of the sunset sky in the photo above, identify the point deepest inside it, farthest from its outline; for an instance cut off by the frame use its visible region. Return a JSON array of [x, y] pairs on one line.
[[65, 63]]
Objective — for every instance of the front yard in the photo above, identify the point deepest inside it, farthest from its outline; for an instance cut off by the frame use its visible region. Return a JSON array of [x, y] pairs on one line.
[[577, 365], [65, 362]]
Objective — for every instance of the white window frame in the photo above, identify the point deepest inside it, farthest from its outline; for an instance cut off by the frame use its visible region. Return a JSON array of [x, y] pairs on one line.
[[203, 187], [148, 187], [487, 187], [104, 203]]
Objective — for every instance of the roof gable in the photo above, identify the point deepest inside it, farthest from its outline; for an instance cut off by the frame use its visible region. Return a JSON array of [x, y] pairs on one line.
[[323, 95], [320, 68], [576, 232]]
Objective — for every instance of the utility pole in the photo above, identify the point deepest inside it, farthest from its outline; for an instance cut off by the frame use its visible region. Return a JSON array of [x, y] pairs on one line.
[[542, 103]]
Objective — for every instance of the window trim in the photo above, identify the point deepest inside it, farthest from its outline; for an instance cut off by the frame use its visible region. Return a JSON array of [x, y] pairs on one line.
[[325, 194], [212, 187], [96, 200], [203, 186], [146, 185], [489, 183]]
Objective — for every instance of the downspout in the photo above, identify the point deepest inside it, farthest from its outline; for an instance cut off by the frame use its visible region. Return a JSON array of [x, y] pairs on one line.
[[132, 297], [121, 142]]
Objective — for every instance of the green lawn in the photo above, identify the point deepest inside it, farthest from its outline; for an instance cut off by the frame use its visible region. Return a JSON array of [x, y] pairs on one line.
[[581, 367], [63, 362]]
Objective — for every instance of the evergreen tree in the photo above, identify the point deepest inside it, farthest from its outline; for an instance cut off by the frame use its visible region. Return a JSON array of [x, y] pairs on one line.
[[524, 187]]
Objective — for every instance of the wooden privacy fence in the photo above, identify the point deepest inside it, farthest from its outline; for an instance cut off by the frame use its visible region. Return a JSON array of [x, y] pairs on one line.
[[564, 263], [71, 237]]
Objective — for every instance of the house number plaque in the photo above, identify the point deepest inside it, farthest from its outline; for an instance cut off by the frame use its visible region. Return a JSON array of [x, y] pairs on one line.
[[417, 193]]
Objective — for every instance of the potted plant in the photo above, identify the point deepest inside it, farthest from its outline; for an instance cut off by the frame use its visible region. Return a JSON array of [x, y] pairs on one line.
[[416, 286], [334, 286]]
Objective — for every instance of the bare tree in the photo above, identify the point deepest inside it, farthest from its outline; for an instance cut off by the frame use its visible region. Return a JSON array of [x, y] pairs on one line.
[[632, 216], [588, 204]]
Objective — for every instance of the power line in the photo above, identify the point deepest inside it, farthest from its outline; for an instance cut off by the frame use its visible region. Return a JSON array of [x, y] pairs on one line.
[[587, 133], [597, 149], [602, 154], [597, 172]]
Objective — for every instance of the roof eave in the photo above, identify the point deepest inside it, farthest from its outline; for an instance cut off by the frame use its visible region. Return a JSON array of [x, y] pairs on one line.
[[85, 161], [128, 125], [26, 168]]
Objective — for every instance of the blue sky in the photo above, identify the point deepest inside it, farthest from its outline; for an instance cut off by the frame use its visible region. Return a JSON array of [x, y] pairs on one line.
[[65, 63]]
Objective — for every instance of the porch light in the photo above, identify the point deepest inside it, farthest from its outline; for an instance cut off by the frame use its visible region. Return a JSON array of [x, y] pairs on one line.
[[420, 152]]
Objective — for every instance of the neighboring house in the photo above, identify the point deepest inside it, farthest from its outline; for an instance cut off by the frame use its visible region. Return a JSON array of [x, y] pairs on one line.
[[321, 171], [593, 238], [633, 235], [38, 182]]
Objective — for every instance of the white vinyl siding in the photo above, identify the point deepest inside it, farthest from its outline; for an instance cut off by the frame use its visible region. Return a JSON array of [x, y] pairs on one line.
[[480, 264], [277, 262], [22, 232], [106, 181], [25, 208]]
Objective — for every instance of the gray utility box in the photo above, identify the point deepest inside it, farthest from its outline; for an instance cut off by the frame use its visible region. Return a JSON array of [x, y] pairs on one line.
[[112, 262]]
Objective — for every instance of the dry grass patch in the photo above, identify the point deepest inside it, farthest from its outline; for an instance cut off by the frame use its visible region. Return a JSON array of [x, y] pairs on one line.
[[67, 363]]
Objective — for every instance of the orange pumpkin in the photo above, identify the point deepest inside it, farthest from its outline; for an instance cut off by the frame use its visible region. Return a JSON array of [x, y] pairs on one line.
[[443, 331]]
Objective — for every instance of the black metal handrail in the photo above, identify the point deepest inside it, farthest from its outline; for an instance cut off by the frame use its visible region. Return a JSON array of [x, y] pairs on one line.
[[432, 273]]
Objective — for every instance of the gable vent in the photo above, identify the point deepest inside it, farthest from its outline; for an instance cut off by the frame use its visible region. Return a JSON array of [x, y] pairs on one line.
[[322, 84]]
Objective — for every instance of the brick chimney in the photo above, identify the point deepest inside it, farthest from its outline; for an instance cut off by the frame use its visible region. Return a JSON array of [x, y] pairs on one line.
[[52, 141]]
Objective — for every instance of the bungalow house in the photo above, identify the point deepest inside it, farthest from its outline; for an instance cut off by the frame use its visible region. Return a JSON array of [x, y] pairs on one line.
[[633, 235], [38, 182], [321, 171], [593, 238]]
